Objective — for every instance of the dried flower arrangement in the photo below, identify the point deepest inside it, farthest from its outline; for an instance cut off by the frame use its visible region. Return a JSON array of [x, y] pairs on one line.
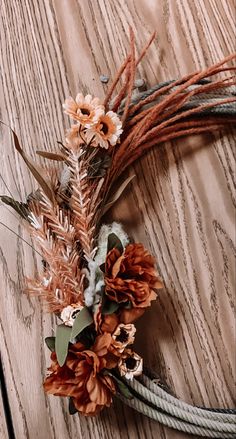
[[95, 280]]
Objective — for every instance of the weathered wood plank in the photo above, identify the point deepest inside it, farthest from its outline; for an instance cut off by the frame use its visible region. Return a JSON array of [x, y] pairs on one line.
[[181, 204], [3, 424]]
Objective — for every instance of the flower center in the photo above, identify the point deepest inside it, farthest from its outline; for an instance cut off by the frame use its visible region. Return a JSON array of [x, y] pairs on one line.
[[123, 336], [85, 111], [130, 363], [104, 128]]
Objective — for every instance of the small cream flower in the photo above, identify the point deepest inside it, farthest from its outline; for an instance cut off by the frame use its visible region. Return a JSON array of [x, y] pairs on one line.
[[131, 366], [106, 131], [86, 109], [123, 336], [69, 314]]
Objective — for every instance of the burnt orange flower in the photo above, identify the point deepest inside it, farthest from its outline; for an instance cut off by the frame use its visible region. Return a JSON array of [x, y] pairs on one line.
[[81, 377], [105, 323], [131, 276], [130, 315]]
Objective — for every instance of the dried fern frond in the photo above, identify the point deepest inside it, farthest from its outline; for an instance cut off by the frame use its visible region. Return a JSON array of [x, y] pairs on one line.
[[58, 222], [61, 283], [81, 190]]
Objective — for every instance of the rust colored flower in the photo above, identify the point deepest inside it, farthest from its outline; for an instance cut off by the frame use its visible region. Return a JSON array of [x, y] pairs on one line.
[[105, 323], [131, 276], [130, 315], [82, 378]]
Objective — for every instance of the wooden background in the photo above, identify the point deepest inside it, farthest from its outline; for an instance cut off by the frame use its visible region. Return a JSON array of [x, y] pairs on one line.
[[181, 205]]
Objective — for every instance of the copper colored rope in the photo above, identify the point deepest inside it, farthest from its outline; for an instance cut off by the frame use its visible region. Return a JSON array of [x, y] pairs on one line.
[[154, 131], [183, 80], [137, 132], [123, 89], [182, 98], [171, 136], [159, 107], [143, 53], [116, 80], [120, 72], [131, 77]]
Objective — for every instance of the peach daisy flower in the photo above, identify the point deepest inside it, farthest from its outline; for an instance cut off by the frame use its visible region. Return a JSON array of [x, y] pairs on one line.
[[85, 109], [106, 131]]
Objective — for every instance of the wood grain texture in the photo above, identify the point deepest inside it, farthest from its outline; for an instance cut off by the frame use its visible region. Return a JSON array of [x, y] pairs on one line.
[[3, 424], [181, 205]]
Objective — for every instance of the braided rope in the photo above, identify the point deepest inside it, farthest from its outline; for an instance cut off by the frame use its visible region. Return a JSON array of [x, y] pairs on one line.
[[148, 397], [205, 413], [222, 109], [173, 422], [145, 94], [150, 378], [207, 421]]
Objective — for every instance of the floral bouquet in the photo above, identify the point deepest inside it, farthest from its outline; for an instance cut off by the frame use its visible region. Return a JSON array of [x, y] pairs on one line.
[[94, 278]]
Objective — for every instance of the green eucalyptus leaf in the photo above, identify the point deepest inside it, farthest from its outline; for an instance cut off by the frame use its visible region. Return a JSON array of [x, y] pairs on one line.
[[82, 320], [128, 305], [50, 342], [72, 409], [63, 335], [109, 307], [103, 267], [114, 242], [122, 387]]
